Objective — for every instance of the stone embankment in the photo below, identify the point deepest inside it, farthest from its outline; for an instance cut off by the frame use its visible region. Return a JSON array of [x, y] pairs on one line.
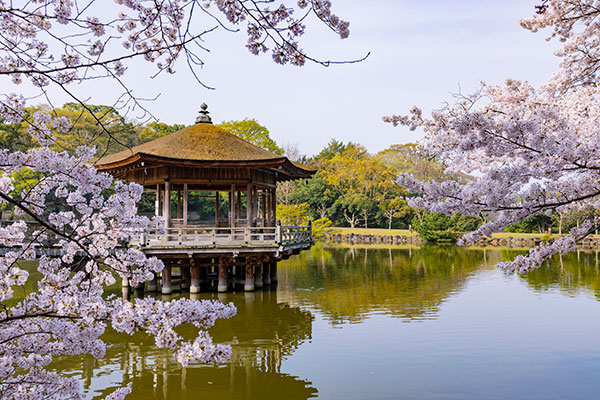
[[527, 242], [509, 241], [353, 238]]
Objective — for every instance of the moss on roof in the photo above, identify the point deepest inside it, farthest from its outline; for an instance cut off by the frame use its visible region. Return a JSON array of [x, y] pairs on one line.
[[199, 142], [302, 166]]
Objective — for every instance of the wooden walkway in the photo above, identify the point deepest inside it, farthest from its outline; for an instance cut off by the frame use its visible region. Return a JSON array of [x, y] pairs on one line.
[[199, 240], [219, 257], [246, 239]]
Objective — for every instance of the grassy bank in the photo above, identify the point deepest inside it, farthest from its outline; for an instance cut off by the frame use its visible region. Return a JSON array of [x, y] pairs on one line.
[[405, 232], [370, 231]]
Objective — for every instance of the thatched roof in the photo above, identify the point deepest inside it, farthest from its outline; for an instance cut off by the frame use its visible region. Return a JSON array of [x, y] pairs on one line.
[[202, 144]]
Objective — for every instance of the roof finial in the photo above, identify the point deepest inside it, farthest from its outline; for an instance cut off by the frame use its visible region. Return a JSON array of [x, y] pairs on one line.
[[203, 118]]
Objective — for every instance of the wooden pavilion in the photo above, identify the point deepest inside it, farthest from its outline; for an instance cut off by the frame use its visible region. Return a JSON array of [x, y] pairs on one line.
[[215, 194]]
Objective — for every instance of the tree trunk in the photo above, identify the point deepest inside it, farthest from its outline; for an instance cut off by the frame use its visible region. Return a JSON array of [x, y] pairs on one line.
[[420, 213], [351, 219], [322, 210], [560, 219]]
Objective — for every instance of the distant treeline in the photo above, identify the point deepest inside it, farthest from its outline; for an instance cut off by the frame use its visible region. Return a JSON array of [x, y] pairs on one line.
[[350, 188]]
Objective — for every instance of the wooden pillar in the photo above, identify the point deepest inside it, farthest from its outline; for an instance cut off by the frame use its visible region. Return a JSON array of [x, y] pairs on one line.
[[216, 209], [263, 202], [167, 204], [238, 205], [266, 270], [222, 287], [273, 270], [249, 204], [186, 202], [249, 283], [224, 264], [195, 277], [232, 206], [185, 277], [179, 215], [229, 211], [157, 201], [258, 275], [273, 206], [269, 208], [254, 204], [166, 280]]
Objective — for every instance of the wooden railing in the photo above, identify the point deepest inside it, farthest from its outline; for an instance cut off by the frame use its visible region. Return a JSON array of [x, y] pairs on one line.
[[202, 236], [194, 236], [290, 235]]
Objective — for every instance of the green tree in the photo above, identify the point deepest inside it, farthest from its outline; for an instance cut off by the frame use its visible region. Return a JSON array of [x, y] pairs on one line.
[[359, 181], [101, 126], [315, 193], [536, 223], [333, 148], [13, 137], [353, 186], [154, 130], [435, 227], [97, 125], [409, 158], [319, 225], [350, 207], [395, 207], [253, 132], [294, 214]]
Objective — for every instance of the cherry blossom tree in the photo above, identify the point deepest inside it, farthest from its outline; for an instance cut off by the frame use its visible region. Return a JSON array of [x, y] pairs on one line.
[[529, 150], [57, 45]]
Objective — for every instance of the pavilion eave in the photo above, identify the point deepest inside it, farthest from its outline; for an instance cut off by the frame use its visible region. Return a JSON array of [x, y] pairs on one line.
[[285, 169]]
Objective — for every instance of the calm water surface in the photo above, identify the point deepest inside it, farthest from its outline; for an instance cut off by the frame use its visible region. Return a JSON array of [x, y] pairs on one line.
[[386, 323]]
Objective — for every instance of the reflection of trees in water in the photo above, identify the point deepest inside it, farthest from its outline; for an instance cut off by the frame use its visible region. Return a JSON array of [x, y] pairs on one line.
[[571, 273], [347, 283], [274, 329], [262, 334]]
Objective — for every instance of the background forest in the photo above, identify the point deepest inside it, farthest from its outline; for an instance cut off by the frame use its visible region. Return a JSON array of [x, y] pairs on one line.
[[351, 188]]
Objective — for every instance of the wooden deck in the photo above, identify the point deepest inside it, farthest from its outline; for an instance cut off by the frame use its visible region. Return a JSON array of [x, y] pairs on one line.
[[229, 255], [197, 240]]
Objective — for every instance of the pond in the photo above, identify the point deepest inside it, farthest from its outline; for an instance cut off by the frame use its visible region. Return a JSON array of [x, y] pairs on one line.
[[385, 323]]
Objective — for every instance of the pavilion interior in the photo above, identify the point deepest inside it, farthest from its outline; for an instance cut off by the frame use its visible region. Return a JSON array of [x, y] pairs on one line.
[[198, 205]]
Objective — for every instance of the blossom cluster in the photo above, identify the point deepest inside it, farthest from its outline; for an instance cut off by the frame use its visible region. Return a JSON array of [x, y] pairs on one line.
[[575, 24], [157, 32], [528, 150], [84, 213]]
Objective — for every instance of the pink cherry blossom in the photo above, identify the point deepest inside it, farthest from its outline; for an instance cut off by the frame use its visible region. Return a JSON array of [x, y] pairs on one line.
[[529, 150], [55, 44], [68, 312]]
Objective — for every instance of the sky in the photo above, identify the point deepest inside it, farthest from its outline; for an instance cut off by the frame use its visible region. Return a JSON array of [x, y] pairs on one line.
[[421, 52]]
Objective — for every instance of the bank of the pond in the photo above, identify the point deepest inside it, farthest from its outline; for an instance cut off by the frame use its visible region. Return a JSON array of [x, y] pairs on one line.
[[382, 322], [401, 236]]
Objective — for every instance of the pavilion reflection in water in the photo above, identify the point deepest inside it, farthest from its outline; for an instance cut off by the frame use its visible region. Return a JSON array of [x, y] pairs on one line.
[[341, 284], [262, 334]]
